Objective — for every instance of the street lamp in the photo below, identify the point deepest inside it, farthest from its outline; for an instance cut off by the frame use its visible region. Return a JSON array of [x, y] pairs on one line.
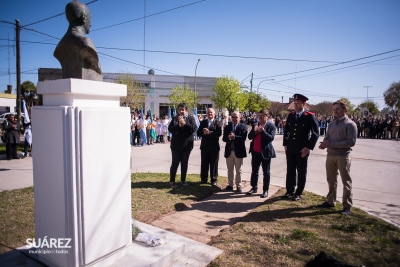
[[195, 74], [367, 86], [264, 81]]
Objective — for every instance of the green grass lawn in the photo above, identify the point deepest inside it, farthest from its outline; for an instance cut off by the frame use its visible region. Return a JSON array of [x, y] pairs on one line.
[[3, 148], [277, 233]]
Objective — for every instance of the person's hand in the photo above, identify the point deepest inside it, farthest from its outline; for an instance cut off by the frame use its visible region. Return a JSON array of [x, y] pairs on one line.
[[231, 136], [260, 129], [181, 121], [325, 144], [206, 131], [304, 152], [321, 146]]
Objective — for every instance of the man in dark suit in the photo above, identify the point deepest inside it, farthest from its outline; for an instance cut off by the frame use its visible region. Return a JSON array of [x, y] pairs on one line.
[[235, 135], [209, 130], [300, 136], [182, 127], [261, 149]]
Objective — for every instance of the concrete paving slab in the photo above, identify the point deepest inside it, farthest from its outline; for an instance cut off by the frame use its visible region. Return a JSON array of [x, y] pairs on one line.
[[186, 252], [16, 173]]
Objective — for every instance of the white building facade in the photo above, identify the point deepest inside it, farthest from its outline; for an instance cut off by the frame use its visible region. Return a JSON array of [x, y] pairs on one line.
[[157, 88], [7, 103]]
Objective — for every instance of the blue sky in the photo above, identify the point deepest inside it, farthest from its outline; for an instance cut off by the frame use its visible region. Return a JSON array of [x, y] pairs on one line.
[[284, 38]]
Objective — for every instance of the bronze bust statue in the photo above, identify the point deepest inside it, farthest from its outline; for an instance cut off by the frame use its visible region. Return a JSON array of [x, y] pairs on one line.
[[76, 52]]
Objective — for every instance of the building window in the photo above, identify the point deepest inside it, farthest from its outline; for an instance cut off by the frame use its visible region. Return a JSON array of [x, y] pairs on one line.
[[202, 109]]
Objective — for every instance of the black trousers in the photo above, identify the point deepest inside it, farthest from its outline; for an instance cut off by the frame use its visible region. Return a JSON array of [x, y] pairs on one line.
[[182, 157], [209, 161], [136, 137], [256, 161], [11, 150], [295, 163], [26, 147]]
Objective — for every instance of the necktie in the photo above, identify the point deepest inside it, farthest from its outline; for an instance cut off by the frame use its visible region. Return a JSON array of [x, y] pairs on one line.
[[234, 128], [297, 116]]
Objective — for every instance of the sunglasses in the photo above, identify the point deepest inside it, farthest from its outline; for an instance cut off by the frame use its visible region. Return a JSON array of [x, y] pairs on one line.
[[234, 117]]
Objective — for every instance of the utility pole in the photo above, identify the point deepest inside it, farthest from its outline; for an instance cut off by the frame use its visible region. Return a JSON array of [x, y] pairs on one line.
[[18, 59], [251, 83], [195, 74]]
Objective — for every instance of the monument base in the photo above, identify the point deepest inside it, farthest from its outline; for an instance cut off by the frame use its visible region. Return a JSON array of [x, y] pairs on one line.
[[81, 173]]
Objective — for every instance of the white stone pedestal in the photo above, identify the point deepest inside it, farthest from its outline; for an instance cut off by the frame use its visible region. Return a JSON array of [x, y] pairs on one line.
[[81, 171]]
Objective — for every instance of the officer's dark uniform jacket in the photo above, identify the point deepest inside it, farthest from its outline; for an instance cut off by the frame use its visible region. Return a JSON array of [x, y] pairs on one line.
[[300, 133]]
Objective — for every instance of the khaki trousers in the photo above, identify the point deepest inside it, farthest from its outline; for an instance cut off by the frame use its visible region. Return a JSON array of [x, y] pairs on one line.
[[366, 133], [233, 162], [395, 129], [341, 163]]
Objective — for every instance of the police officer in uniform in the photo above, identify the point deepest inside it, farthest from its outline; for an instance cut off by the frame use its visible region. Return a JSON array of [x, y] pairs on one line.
[[300, 136]]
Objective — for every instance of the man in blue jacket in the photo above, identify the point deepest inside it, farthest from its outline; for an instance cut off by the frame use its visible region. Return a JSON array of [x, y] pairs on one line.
[[300, 136], [235, 135], [261, 149]]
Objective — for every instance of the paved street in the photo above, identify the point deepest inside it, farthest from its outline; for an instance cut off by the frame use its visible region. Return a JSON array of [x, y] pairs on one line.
[[375, 171]]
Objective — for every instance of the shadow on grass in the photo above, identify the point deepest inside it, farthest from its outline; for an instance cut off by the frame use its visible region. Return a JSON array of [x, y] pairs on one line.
[[275, 214], [195, 191]]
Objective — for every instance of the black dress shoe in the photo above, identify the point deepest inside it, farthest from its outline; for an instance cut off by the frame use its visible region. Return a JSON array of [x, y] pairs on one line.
[[325, 205], [252, 191], [264, 195], [238, 190], [296, 198], [287, 195], [228, 188], [16, 158], [214, 184], [203, 182]]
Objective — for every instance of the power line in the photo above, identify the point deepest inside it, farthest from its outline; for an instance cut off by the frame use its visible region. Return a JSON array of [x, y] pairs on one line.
[[139, 64], [33, 30], [158, 13], [359, 64], [345, 62], [215, 55], [182, 53], [55, 16]]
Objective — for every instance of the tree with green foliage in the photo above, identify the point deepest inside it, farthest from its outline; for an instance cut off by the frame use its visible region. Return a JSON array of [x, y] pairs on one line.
[[185, 95], [27, 87], [28, 93], [350, 106], [228, 94], [392, 97], [256, 102], [136, 95], [371, 106]]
